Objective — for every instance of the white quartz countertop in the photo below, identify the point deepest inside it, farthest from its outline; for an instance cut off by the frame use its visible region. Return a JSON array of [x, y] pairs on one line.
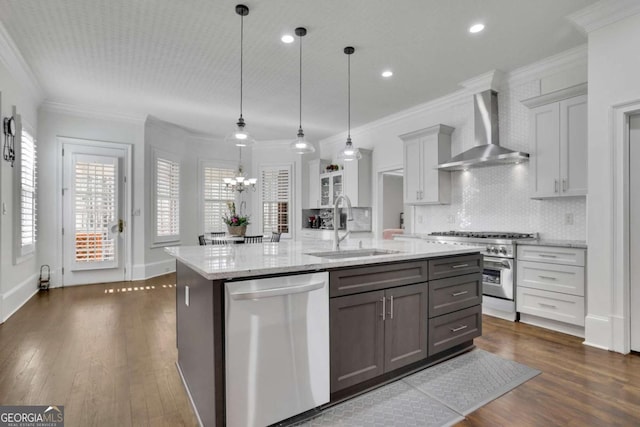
[[256, 259]]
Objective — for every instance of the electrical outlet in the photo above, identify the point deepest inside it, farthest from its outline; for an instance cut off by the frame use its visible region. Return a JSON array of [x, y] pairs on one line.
[[419, 219], [568, 219], [451, 219]]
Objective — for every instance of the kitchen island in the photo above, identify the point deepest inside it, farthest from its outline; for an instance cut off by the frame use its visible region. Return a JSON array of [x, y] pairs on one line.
[[390, 308]]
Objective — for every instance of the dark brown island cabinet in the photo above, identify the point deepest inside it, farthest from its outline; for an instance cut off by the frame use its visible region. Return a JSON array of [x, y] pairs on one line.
[[385, 321], [389, 319]]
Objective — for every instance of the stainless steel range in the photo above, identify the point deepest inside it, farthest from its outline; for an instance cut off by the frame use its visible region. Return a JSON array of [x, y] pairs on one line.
[[499, 276]]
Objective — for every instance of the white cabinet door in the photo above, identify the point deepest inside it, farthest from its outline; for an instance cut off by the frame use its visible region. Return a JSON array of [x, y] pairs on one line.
[[412, 171], [573, 146], [545, 156], [314, 184]]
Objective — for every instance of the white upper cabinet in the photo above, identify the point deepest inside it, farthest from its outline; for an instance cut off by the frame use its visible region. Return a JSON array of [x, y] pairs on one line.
[[316, 166], [424, 149], [357, 180], [558, 143]]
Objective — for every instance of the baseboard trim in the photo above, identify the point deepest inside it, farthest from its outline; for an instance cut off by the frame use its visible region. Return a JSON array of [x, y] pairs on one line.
[[154, 269], [11, 301], [597, 331], [554, 325], [186, 387]]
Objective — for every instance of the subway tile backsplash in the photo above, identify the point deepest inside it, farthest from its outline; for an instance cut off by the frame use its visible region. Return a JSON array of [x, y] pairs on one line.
[[496, 198]]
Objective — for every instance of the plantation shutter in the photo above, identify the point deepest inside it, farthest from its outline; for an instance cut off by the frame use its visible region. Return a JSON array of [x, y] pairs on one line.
[[276, 199], [167, 198], [216, 195], [27, 194]]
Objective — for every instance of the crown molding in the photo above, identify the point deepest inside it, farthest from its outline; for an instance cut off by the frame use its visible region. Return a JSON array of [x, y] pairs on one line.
[[603, 13], [490, 80], [84, 111], [553, 64], [12, 58]]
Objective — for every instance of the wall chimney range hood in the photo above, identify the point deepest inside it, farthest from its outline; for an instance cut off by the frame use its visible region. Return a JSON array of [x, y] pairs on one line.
[[487, 151]]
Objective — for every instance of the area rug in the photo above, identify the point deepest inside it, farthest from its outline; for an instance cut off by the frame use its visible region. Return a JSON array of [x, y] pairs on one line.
[[437, 396]]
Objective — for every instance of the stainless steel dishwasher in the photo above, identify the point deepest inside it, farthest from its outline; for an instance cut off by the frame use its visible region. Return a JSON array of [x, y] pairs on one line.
[[277, 348]]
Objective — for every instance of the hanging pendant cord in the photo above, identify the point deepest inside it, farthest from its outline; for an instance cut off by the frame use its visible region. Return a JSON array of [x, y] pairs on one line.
[[349, 97], [300, 82], [241, 52]]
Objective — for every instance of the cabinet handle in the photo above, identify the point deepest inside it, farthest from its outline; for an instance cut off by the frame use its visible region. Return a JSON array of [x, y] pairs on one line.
[[564, 185], [457, 294], [391, 307], [547, 277], [555, 185], [547, 305], [547, 256], [383, 308], [460, 266], [421, 194], [459, 328]]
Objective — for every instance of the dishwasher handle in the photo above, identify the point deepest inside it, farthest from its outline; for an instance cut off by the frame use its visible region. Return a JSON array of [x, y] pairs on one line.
[[275, 292]]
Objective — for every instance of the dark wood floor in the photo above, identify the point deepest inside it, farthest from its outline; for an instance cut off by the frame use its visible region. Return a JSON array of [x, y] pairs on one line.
[[109, 357]]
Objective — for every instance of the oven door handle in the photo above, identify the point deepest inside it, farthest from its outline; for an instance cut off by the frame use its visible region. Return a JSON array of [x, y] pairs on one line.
[[498, 263]]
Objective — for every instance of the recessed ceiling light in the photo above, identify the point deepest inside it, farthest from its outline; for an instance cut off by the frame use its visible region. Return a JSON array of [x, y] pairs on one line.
[[476, 28], [387, 73], [287, 38]]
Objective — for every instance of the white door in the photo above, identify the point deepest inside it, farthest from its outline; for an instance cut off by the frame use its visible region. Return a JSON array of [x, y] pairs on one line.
[[94, 231], [634, 228]]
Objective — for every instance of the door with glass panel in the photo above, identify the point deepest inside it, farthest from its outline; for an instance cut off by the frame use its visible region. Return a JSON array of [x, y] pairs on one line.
[[94, 227]]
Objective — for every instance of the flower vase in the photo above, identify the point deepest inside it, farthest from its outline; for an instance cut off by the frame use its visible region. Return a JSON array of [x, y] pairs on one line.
[[237, 230]]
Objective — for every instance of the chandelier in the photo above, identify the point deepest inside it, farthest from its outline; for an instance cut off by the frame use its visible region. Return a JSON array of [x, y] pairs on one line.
[[240, 182]]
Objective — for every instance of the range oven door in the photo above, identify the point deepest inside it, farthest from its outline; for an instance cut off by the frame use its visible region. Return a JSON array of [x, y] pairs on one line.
[[497, 277]]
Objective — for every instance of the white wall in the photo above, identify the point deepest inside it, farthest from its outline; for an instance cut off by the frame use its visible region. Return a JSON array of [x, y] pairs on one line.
[[493, 198], [614, 70], [17, 281], [392, 190]]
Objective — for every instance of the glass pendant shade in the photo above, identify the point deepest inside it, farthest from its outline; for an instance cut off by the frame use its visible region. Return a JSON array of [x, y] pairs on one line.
[[239, 136], [349, 152], [301, 145]]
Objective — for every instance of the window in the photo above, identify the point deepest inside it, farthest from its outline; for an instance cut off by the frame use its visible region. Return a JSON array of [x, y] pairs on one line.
[[167, 200], [276, 198], [215, 197], [27, 194]]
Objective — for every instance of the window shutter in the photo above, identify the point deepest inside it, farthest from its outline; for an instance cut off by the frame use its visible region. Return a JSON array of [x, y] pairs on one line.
[[27, 205], [216, 195], [167, 198], [276, 199]]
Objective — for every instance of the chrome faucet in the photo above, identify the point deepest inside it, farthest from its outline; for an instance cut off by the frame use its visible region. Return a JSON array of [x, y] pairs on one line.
[[336, 220]]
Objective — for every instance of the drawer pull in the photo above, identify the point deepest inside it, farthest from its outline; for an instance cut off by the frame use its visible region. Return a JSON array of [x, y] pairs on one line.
[[547, 277], [547, 256], [457, 294], [460, 266], [459, 328], [547, 305]]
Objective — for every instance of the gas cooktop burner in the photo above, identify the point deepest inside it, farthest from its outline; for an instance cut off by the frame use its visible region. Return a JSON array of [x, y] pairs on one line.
[[485, 234]]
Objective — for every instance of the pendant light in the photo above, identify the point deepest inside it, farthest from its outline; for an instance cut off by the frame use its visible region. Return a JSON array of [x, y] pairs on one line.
[[240, 137], [349, 153], [240, 182], [301, 145]]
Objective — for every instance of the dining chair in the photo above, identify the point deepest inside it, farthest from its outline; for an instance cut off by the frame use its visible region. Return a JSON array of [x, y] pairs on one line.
[[201, 239], [217, 233], [253, 239], [215, 241], [275, 236]]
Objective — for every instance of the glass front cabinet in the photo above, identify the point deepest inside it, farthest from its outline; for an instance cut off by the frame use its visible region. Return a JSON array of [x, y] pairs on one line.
[[330, 188]]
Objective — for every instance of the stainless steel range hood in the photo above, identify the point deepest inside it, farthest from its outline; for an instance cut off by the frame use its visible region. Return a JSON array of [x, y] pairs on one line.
[[487, 151]]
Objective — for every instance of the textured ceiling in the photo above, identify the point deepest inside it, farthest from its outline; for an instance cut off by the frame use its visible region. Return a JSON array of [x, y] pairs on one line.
[[179, 60]]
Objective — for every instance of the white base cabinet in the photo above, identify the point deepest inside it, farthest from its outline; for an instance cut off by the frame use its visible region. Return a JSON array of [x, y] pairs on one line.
[[550, 284], [558, 143], [423, 151]]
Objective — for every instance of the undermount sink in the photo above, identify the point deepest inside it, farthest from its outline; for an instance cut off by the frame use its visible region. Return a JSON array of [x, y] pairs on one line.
[[354, 253]]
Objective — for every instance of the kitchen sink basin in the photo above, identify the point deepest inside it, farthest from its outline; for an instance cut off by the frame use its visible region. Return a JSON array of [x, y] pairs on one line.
[[353, 253]]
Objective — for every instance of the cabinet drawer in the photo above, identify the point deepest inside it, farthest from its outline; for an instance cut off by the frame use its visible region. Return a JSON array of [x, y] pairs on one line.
[[454, 266], [551, 305], [567, 279], [455, 328], [553, 255], [380, 276], [454, 293]]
